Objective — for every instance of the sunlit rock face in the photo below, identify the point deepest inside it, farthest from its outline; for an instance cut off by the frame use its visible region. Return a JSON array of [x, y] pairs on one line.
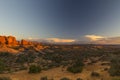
[[11, 40], [11, 45], [8, 40], [2, 40], [25, 42]]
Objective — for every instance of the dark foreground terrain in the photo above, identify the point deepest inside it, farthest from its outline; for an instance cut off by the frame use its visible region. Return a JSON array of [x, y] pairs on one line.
[[60, 62]]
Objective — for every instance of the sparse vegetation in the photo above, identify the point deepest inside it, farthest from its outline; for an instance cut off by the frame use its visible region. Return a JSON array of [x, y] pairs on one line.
[[116, 79], [44, 78], [79, 79], [70, 58], [115, 67], [2, 66], [34, 69], [65, 78], [5, 78], [95, 74], [76, 68]]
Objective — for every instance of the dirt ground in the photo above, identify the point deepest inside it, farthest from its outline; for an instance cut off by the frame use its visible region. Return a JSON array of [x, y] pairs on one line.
[[58, 73]]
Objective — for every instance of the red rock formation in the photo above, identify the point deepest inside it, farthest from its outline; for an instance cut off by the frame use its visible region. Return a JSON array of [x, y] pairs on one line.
[[2, 40], [24, 42], [11, 40]]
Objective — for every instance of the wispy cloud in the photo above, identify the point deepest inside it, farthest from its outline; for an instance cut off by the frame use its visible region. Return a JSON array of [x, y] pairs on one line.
[[94, 37], [110, 40], [59, 40]]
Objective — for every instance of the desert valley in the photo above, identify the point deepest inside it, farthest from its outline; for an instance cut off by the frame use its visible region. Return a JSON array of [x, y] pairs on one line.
[[31, 60], [59, 39]]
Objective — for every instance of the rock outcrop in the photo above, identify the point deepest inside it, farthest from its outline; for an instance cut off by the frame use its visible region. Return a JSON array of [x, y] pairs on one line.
[[8, 40], [11, 40], [25, 42], [2, 40]]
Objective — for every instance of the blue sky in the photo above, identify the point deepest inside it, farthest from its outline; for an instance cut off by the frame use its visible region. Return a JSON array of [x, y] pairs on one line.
[[64, 19]]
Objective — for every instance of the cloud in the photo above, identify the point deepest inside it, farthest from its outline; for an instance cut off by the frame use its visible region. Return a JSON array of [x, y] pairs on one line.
[[33, 39], [94, 37], [110, 40], [58, 40], [30, 38]]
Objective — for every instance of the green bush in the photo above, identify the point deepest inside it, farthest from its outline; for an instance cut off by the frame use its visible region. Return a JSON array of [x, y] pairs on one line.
[[79, 79], [5, 78], [115, 67], [76, 68], [2, 66], [34, 69], [95, 74], [116, 79], [65, 78], [44, 78]]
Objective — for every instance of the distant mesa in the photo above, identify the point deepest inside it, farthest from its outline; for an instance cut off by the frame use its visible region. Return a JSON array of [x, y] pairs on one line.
[[11, 41]]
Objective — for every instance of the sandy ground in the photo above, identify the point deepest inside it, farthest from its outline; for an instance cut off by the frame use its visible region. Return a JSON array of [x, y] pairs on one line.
[[6, 49], [58, 73]]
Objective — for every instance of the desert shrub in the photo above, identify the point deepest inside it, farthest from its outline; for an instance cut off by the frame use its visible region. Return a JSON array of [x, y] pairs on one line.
[[2, 66], [5, 54], [115, 67], [21, 58], [95, 74], [51, 79], [44, 78], [116, 79], [23, 68], [65, 78], [105, 69], [5, 78], [79, 79], [27, 57], [34, 69], [76, 68]]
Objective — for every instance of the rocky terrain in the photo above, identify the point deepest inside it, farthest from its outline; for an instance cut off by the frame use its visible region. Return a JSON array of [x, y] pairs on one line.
[[10, 44], [27, 60], [11, 41]]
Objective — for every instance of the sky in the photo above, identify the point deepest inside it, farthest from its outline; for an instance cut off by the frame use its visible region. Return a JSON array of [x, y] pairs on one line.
[[60, 20]]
